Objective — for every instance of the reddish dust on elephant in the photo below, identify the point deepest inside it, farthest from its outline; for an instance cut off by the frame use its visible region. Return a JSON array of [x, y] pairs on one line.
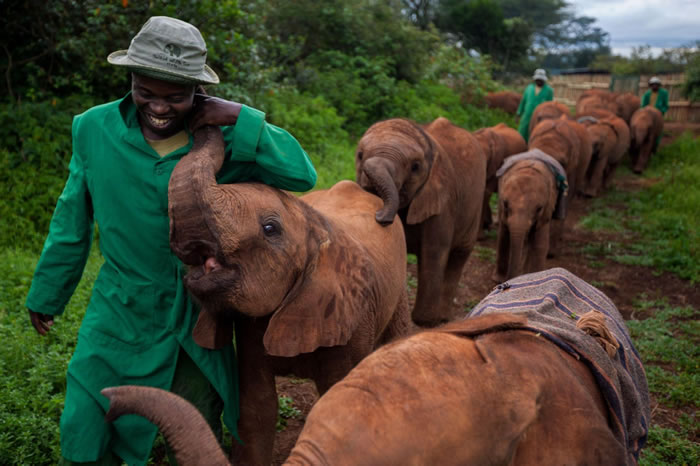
[[313, 284]]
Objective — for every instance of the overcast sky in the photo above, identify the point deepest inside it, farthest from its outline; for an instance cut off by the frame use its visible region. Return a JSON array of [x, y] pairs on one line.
[[630, 23]]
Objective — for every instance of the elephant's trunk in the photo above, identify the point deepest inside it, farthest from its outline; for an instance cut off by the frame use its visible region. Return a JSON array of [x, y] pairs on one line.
[[517, 246], [192, 194], [182, 425], [379, 173]]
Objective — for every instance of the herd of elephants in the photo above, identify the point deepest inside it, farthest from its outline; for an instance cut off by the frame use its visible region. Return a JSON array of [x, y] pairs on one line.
[[542, 371]]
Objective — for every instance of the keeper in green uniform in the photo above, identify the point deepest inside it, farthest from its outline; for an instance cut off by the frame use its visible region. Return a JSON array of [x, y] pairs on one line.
[[138, 326], [656, 96], [535, 93]]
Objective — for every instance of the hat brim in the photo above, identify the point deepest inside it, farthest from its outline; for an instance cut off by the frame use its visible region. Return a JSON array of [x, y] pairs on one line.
[[207, 76], [539, 78]]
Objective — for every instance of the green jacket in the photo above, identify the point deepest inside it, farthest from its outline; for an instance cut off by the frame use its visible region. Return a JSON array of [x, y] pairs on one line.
[[661, 100], [528, 103], [139, 312]]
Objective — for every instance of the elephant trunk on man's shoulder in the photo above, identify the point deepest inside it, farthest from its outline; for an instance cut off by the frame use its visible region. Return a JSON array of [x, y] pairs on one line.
[[378, 172], [183, 427], [190, 194]]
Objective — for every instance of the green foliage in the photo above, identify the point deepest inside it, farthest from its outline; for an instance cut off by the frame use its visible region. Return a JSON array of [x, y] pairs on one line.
[[60, 47], [665, 217], [669, 447], [375, 31], [32, 367], [691, 87], [286, 410], [671, 337], [669, 343], [480, 25], [643, 60]]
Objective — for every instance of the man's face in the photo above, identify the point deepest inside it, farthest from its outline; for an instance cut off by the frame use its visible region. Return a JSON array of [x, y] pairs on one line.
[[655, 87], [539, 82], [162, 106]]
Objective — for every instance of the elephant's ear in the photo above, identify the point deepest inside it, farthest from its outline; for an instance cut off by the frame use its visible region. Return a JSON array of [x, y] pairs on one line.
[[211, 332], [327, 306], [432, 197]]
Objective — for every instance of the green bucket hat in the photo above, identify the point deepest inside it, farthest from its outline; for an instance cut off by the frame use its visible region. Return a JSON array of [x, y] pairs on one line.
[[168, 49]]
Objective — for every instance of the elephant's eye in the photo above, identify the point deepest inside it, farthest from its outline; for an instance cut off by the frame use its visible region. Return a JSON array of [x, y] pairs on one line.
[[271, 229], [359, 155], [415, 166]]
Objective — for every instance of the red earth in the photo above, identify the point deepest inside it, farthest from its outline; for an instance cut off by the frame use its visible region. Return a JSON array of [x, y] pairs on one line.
[[623, 284]]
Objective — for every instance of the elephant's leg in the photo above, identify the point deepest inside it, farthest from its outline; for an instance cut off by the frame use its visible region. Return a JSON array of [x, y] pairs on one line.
[[453, 272], [258, 399], [609, 175], [539, 246], [556, 231], [400, 323], [434, 253], [596, 176], [644, 155], [486, 214], [502, 253]]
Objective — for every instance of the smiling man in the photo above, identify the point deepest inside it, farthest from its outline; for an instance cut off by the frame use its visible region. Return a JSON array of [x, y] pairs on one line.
[[138, 325]]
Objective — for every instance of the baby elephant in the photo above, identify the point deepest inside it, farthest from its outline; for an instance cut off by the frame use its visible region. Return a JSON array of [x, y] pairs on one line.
[[313, 284], [545, 373], [532, 189]]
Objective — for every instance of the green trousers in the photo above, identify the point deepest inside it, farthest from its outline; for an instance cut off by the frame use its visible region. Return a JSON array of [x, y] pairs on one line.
[[190, 383]]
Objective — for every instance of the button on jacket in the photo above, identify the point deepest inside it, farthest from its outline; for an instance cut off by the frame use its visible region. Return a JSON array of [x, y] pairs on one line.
[[139, 313]]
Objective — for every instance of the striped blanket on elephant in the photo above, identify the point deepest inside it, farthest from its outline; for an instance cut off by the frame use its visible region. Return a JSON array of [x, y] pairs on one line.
[[556, 303]]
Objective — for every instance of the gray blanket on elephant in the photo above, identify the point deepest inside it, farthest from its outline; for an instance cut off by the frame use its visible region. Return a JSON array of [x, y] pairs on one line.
[[553, 301], [556, 168]]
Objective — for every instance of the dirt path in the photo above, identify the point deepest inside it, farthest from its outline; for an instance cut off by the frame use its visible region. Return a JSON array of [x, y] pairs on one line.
[[624, 284]]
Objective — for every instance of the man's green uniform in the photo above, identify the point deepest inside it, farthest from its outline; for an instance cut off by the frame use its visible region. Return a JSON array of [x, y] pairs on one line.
[[139, 313], [528, 103], [661, 100]]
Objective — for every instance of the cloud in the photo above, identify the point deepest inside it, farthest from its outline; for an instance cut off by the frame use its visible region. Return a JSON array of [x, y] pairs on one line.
[[630, 23]]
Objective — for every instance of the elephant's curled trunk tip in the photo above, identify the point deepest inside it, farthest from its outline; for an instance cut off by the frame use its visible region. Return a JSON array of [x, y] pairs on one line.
[[182, 425], [383, 183]]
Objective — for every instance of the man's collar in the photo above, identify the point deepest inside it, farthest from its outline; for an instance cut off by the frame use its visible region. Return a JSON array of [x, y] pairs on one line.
[[127, 109]]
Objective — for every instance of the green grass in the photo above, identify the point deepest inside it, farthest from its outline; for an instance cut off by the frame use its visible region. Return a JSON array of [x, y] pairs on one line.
[[286, 410], [664, 219], [669, 343], [32, 367], [485, 254]]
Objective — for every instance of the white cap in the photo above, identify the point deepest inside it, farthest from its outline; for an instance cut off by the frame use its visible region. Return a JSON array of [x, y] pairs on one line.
[[539, 74], [655, 80]]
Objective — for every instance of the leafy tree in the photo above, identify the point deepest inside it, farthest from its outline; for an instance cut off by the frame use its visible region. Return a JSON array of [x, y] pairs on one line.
[[481, 25], [60, 47]]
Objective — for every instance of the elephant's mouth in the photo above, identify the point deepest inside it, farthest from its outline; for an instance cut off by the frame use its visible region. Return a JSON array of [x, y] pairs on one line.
[[208, 273]]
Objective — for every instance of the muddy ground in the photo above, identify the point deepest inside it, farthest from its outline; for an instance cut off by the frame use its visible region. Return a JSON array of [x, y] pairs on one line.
[[625, 285]]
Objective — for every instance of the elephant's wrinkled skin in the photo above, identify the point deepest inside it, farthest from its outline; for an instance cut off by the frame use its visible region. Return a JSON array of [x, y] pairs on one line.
[[434, 177], [508, 101], [497, 142], [622, 105], [548, 111], [312, 284], [527, 196], [645, 128], [448, 396]]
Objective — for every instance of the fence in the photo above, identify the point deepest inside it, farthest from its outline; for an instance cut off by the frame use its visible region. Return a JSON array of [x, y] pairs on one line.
[[568, 88]]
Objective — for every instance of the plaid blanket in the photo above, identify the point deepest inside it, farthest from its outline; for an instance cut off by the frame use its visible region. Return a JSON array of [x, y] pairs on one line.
[[553, 301]]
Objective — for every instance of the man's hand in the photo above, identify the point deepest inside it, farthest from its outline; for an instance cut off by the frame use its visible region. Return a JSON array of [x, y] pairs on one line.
[[41, 322], [213, 111]]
